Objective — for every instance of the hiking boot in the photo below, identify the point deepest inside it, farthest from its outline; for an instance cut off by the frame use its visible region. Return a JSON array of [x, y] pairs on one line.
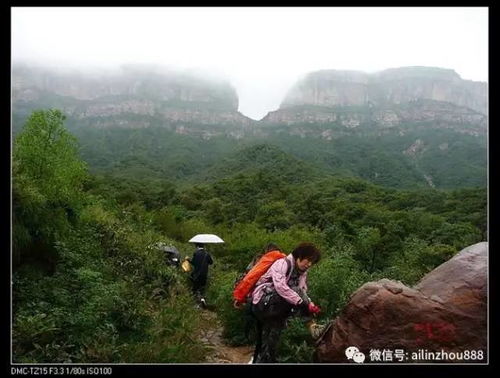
[[203, 303]]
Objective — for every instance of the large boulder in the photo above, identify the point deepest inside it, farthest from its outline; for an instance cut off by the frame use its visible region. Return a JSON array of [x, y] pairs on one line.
[[445, 312]]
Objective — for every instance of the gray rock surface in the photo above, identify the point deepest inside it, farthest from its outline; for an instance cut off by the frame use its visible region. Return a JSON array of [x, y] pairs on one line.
[[398, 85]]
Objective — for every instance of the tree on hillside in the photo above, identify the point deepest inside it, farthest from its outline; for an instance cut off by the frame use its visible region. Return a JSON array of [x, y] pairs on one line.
[[48, 176], [368, 247]]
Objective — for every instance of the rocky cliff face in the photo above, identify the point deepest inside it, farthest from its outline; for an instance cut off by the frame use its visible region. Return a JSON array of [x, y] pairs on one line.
[[418, 113], [394, 86], [111, 98], [329, 88], [407, 84], [446, 311], [388, 98], [138, 97]]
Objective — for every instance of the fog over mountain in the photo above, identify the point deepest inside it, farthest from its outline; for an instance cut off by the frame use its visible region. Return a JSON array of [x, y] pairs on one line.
[[423, 122], [193, 96], [262, 52]]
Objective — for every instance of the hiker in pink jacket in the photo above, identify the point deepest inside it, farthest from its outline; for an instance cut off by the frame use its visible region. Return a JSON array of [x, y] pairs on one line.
[[280, 292]]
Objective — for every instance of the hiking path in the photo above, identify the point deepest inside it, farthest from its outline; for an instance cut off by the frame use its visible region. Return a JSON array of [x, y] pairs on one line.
[[220, 352]]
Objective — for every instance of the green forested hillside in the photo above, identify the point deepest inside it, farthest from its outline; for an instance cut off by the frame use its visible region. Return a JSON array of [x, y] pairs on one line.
[[86, 208], [450, 159], [407, 156]]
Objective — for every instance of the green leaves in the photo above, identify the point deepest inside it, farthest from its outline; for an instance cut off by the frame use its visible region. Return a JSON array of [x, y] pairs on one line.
[[275, 216], [46, 154], [48, 180]]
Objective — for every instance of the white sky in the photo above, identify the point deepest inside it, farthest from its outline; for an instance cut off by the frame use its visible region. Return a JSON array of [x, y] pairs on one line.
[[261, 51]]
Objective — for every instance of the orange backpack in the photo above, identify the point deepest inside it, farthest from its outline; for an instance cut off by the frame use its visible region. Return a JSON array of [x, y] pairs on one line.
[[245, 285]]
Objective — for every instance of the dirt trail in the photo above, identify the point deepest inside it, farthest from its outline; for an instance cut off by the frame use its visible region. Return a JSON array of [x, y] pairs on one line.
[[220, 351]]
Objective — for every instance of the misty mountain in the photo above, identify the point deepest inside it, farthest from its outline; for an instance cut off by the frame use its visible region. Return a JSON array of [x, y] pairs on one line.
[[393, 86], [131, 97], [406, 127], [392, 99]]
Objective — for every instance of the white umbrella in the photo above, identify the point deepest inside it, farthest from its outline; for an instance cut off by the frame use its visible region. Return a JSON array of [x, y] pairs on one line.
[[206, 238]]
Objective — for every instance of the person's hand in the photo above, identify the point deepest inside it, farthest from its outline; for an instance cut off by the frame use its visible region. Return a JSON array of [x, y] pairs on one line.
[[313, 309]]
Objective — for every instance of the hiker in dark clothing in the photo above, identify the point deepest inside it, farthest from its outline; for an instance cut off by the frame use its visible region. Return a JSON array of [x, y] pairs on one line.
[[248, 314], [201, 260], [279, 293]]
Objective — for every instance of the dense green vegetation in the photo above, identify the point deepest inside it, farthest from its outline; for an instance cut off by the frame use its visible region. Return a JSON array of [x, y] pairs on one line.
[[145, 146], [86, 287], [453, 160]]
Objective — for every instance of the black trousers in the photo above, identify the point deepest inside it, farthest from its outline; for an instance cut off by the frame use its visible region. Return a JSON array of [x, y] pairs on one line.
[[199, 284], [268, 337], [270, 315]]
